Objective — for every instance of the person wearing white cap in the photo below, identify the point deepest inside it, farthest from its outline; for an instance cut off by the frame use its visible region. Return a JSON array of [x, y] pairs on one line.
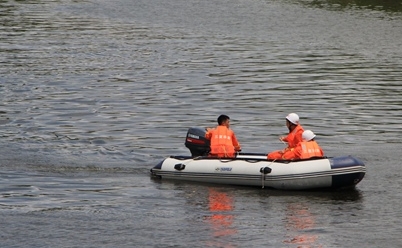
[[292, 139], [306, 149]]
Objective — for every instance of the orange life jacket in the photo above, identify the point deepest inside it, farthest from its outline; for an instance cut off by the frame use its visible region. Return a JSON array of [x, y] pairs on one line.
[[223, 142], [310, 149], [294, 137], [304, 150]]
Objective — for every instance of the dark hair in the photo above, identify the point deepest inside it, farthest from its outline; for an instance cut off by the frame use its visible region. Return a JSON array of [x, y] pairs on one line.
[[222, 118], [290, 123]]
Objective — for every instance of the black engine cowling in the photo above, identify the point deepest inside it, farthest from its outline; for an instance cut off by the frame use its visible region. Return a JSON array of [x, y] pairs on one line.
[[196, 142]]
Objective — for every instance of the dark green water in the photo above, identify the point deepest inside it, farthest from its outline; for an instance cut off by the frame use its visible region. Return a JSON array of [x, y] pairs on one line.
[[93, 94]]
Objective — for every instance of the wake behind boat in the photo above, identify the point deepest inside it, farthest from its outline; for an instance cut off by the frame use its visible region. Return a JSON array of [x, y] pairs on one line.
[[251, 169]]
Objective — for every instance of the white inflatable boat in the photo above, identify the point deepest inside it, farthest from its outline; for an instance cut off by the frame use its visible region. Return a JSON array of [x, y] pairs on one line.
[[251, 169]]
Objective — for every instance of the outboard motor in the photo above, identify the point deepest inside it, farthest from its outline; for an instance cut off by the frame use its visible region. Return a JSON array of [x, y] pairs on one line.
[[196, 142]]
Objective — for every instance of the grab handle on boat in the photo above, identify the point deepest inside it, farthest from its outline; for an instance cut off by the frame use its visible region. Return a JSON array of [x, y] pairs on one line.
[[179, 167], [264, 171]]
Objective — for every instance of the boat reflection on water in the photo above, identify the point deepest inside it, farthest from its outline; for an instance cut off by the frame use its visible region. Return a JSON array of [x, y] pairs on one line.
[[298, 217], [298, 222], [221, 220]]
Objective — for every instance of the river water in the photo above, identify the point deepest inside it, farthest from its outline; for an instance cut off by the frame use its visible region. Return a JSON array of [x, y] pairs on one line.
[[95, 93]]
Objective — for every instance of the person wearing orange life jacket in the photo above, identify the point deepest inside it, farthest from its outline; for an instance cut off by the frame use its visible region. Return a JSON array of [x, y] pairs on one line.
[[306, 149], [292, 139], [223, 140]]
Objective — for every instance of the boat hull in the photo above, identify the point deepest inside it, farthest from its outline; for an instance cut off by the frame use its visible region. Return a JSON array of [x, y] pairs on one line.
[[256, 170]]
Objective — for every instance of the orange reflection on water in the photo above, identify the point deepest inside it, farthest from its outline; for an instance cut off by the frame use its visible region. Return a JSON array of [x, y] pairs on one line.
[[299, 220], [221, 220]]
